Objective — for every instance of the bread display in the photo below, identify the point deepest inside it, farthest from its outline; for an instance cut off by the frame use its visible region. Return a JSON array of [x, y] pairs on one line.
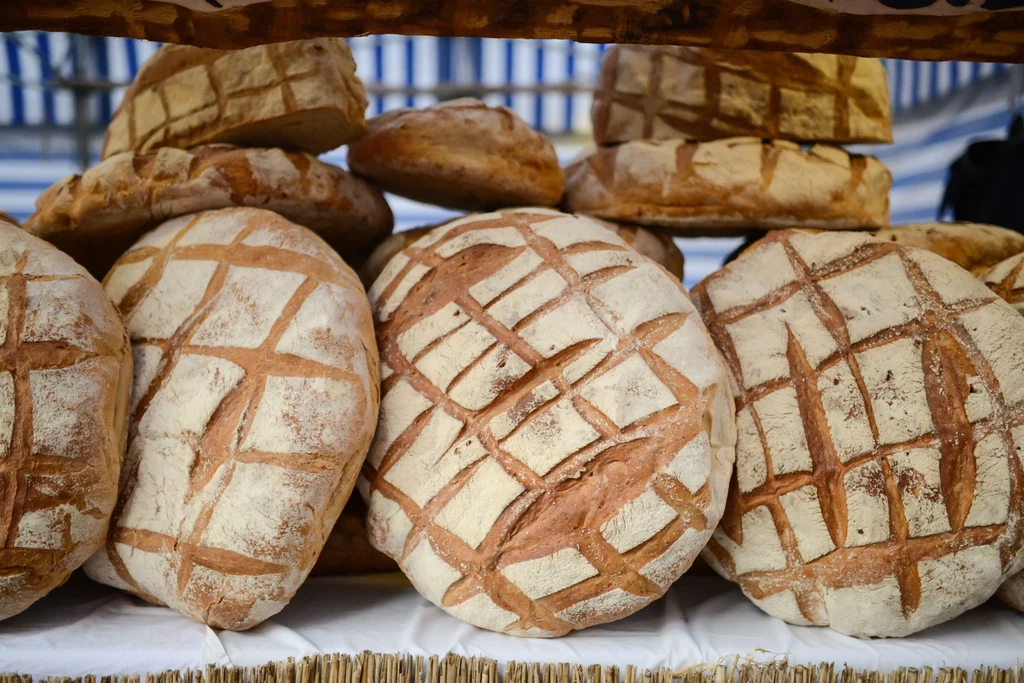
[[736, 183], [7, 218], [461, 154], [880, 411], [302, 95], [254, 403], [972, 246], [348, 550], [556, 430], [654, 245], [97, 215], [1006, 280], [65, 380], [698, 93], [1011, 593]]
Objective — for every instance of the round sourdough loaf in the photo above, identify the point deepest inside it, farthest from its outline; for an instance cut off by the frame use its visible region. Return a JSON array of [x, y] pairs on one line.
[[97, 215], [460, 154], [972, 246], [1012, 592], [737, 183], [654, 245], [880, 413], [556, 431], [254, 402], [348, 550], [1006, 280], [302, 94], [696, 93], [65, 382]]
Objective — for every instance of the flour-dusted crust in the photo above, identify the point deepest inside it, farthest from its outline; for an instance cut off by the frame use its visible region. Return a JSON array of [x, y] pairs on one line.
[[299, 95], [1012, 592], [461, 154], [65, 381], [880, 413], [973, 246], [1006, 279], [97, 215], [254, 402], [656, 246], [556, 431], [696, 93], [348, 551], [729, 184]]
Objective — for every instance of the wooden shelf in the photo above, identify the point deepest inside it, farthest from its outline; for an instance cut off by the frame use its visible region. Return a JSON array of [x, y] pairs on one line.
[[975, 30]]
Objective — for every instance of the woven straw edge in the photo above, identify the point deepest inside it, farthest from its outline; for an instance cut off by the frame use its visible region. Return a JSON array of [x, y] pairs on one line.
[[369, 667]]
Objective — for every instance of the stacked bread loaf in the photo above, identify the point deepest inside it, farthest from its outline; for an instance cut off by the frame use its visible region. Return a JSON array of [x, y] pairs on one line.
[[700, 140]]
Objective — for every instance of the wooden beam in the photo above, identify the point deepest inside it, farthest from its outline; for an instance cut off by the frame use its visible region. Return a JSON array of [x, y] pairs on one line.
[[976, 30]]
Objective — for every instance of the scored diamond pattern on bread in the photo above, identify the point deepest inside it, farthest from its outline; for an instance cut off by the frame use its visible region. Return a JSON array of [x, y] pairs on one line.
[[65, 375], [254, 402], [880, 419], [699, 93], [556, 428]]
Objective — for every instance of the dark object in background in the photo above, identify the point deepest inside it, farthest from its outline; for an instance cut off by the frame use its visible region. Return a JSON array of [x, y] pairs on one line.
[[985, 182]]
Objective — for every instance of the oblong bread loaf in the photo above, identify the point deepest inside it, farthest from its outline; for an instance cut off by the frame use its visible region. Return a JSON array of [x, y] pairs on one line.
[[698, 93], [972, 246], [65, 383], [880, 414], [461, 154], [255, 399], [728, 184], [97, 215], [302, 95], [654, 245], [556, 427]]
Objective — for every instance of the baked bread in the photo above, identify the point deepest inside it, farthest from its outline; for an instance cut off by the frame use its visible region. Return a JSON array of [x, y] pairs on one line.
[[654, 245], [738, 183], [1011, 593], [880, 411], [97, 215], [698, 93], [461, 154], [1006, 280], [556, 430], [300, 95], [65, 381], [348, 551], [972, 246], [254, 402], [8, 218]]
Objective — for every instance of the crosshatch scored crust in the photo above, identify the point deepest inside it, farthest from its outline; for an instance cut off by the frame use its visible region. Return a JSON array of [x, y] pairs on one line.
[[65, 379], [255, 398], [97, 215], [556, 429], [302, 94], [696, 93], [880, 419], [972, 246], [730, 183]]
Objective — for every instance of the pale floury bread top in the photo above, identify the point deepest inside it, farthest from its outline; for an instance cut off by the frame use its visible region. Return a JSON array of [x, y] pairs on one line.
[[556, 431], [299, 95], [97, 215], [65, 381], [461, 154], [254, 402], [973, 246], [704, 94], [880, 399]]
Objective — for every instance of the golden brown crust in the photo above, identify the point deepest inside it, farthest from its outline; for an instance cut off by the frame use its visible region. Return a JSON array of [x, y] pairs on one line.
[[348, 550], [301, 95], [972, 246], [97, 215], [736, 183], [65, 384], [460, 154], [648, 92], [386, 250], [1006, 280]]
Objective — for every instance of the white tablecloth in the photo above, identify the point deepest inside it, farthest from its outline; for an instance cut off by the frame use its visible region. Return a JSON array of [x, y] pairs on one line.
[[83, 628]]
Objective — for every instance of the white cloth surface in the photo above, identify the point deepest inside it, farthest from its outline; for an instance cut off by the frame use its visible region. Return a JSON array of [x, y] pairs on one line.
[[83, 628]]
